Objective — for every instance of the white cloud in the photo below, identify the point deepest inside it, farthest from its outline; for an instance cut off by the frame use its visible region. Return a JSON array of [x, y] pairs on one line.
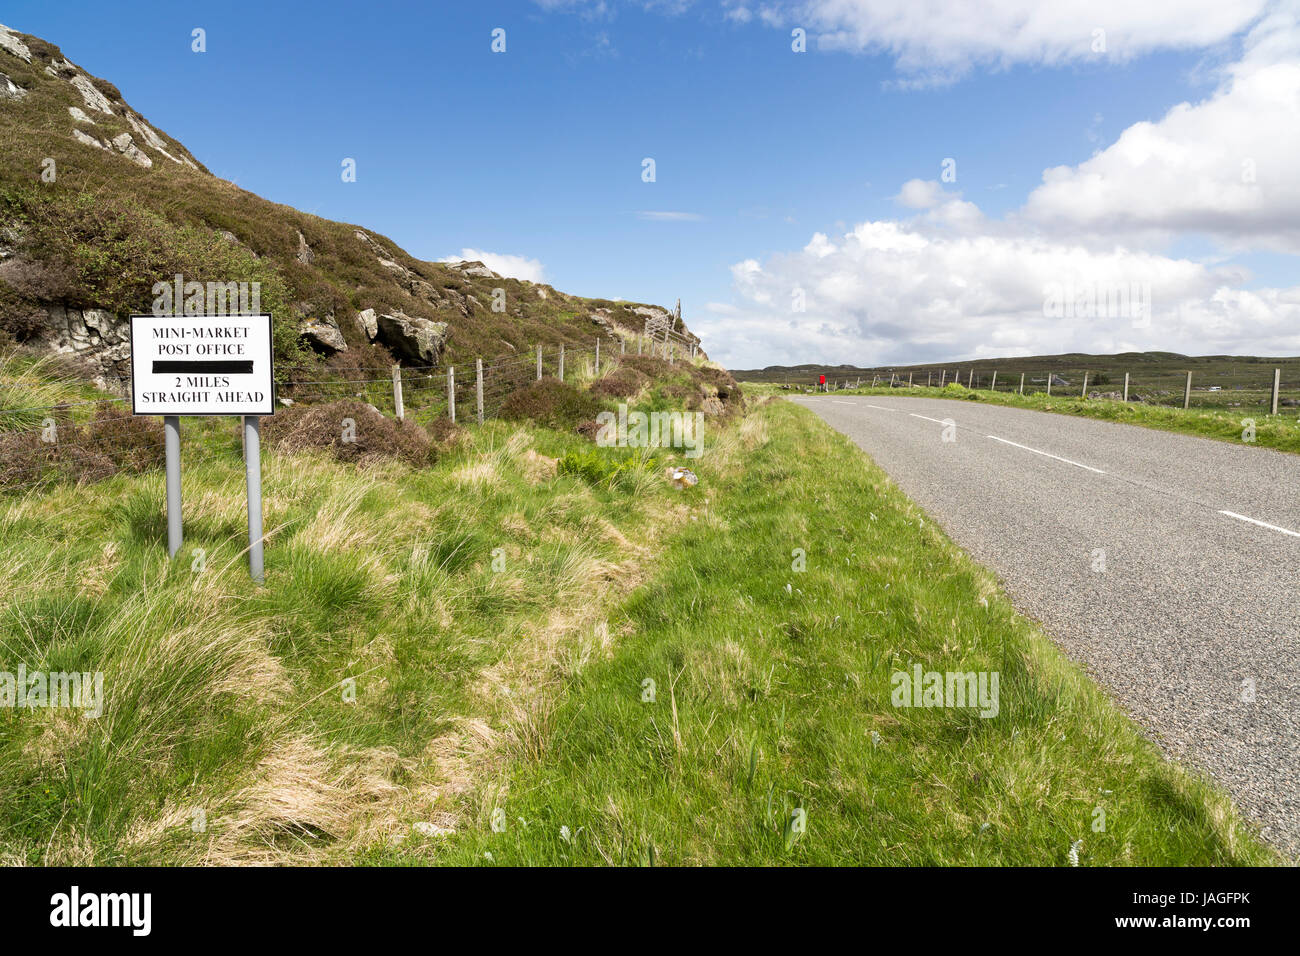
[[939, 39], [892, 293], [515, 267], [1226, 167]]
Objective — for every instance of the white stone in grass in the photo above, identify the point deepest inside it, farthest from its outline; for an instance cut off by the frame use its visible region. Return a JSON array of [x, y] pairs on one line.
[[80, 115]]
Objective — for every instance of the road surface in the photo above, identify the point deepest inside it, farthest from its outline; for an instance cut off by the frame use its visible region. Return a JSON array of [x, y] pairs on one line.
[[1194, 623]]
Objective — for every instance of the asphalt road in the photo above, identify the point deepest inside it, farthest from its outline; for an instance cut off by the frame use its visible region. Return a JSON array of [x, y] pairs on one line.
[[1200, 597]]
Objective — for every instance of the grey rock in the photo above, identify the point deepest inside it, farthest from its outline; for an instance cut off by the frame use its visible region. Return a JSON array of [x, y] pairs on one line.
[[81, 137], [413, 338], [305, 255], [80, 115], [9, 90], [323, 334], [94, 99], [10, 43], [126, 146], [368, 324], [95, 336]]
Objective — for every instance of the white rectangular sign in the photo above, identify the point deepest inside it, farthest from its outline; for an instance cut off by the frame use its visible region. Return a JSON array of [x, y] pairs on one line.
[[201, 365]]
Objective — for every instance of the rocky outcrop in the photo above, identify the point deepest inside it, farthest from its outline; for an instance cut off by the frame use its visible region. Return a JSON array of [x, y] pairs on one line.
[[323, 335], [305, 255], [88, 140], [412, 338], [94, 99], [9, 41], [96, 337], [80, 115], [9, 90], [368, 323], [126, 146]]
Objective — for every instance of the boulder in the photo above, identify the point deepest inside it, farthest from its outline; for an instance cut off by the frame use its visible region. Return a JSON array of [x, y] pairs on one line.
[[305, 255], [368, 324], [9, 90], [9, 41], [413, 338], [78, 114], [323, 335], [126, 146], [83, 138], [94, 99]]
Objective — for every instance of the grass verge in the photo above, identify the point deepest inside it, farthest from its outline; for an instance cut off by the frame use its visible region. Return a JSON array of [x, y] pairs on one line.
[[1280, 432], [739, 695]]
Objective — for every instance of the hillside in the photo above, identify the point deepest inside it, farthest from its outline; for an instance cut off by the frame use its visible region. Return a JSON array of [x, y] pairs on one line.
[[97, 205]]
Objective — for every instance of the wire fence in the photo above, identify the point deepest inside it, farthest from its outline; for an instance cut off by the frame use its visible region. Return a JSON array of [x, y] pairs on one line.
[[47, 445], [1253, 389]]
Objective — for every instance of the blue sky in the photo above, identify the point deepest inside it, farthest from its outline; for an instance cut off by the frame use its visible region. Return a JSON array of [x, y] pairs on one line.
[[537, 152]]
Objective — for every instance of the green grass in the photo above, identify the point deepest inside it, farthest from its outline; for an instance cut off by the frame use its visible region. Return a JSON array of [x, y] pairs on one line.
[[1281, 431], [772, 695], [437, 646]]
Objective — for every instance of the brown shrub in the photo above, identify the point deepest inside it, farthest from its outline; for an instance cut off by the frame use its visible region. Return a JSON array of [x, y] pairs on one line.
[[370, 438], [113, 441], [550, 403], [444, 433], [621, 383], [589, 430], [648, 365]]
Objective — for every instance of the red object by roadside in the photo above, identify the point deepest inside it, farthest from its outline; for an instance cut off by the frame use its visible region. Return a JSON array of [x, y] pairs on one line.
[[821, 380]]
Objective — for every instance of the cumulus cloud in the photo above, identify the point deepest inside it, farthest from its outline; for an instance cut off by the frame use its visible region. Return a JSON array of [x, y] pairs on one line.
[[515, 267], [1225, 167], [894, 293], [939, 40]]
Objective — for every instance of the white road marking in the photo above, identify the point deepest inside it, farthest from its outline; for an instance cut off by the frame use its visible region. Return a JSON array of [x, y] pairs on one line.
[[1262, 524], [881, 407], [1047, 454], [838, 402], [937, 421]]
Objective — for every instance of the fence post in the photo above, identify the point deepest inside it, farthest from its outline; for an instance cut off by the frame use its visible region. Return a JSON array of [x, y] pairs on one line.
[[539, 363], [1126, 386], [1277, 387], [1022, 384], [1187, 391], [892, 376], [598, 355], [993, 385], [451, 393], [1084, 393], [561, 363], [970, 382], [638, 345], [909, 379], [478, 388], [943, 378], [398, 408], [1049, 384]]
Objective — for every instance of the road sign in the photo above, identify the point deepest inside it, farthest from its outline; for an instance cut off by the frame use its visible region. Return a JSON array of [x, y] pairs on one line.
[[205, 365], [201, 365]]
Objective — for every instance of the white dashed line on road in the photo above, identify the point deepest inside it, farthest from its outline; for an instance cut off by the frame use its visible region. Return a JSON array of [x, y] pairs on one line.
[[937, 421], [1262, 524], [881, 407], [1047, 454]]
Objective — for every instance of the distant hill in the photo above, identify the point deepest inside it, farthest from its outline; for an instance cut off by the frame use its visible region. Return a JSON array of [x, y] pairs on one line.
[[1155, 370], [97, 205]]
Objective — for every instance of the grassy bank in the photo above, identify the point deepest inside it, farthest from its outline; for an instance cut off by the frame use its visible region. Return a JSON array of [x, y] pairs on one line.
[[1281, 431], [772, 694]]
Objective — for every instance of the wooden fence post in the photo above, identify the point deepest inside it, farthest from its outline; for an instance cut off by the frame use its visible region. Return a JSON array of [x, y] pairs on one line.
[[539, 363], [1049, 384], [1277, 387], [1187, 391], [909, 379], [478, 387], [398, 408], [561, 363], [970, 381], [993, 385], [1084, 393], [451, 393], [1022, 384], [1126, 386], [943, 378]]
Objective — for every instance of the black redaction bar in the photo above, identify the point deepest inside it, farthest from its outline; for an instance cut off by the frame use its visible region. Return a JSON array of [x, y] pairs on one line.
[[203, 368]]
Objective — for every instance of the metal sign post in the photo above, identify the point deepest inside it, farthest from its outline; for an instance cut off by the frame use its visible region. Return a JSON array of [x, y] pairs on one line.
[[253, 474], [172, 441], [191, 365]]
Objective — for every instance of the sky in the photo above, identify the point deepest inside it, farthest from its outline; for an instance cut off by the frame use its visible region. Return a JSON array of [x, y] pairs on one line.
[[873, 182]]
